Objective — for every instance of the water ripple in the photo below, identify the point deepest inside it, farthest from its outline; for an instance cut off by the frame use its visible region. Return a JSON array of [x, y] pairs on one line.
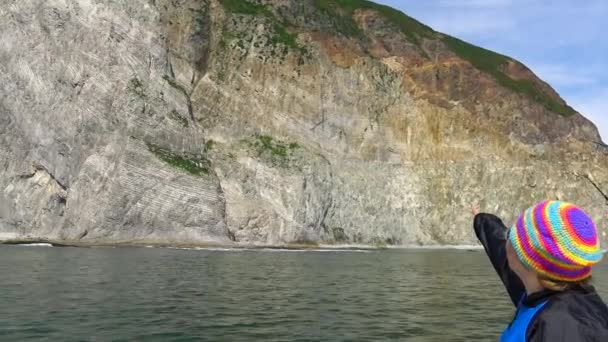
[[250, 295]]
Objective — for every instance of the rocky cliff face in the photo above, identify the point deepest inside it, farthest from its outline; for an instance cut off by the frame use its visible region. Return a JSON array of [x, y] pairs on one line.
[[271, 122]]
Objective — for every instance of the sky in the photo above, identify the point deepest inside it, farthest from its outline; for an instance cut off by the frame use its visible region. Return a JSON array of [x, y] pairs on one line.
[[565, 42]]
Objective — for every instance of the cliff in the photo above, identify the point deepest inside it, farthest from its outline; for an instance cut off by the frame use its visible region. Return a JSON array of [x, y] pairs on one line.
[[271, 122]]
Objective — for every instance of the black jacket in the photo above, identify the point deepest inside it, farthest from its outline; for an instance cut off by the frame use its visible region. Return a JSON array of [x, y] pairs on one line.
[[569, 316]]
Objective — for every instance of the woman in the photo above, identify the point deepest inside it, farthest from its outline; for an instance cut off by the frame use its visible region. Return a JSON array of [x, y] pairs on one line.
[[545, 261]]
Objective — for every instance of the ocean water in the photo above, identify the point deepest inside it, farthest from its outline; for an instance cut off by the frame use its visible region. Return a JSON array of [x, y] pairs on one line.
[[147, 294]]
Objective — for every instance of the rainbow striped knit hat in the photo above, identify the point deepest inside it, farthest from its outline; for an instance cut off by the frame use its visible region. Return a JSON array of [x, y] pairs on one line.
[[557, 240]]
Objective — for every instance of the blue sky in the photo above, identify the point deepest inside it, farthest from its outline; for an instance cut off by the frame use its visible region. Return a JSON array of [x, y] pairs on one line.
[[564, 42]]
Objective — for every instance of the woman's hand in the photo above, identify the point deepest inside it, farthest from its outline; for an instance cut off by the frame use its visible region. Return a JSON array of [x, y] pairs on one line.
[[475, 209]]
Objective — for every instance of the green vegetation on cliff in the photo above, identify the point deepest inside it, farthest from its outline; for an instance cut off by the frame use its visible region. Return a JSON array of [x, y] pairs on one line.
[[275, 148], [245, 7], [277, 152], [344, 9], [281, 35], [196, 166]]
